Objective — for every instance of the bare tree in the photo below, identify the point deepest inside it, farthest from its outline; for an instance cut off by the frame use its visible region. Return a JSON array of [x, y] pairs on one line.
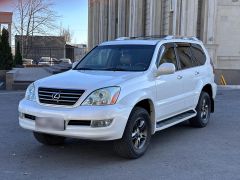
[[66, 33], [34, 17]]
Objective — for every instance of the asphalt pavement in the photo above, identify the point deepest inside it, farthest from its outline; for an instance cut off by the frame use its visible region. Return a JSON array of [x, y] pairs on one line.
[[179, 152]]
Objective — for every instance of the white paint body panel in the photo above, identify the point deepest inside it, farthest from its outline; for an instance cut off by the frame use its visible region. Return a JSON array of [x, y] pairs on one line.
[[169, 95]]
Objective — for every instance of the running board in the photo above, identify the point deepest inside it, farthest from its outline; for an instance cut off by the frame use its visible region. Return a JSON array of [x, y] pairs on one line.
[[175, 120]]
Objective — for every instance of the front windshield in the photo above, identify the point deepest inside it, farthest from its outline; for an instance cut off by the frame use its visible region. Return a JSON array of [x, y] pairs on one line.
[[118, 58]]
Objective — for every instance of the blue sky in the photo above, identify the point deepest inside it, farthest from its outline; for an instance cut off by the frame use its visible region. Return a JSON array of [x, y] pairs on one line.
[[73, 14]]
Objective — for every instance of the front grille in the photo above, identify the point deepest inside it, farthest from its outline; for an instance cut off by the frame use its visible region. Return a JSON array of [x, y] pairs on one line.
[[59, 96]]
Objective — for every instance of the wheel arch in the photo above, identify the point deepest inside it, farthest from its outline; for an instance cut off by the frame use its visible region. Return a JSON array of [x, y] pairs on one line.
[[148, 105], [208, 89]]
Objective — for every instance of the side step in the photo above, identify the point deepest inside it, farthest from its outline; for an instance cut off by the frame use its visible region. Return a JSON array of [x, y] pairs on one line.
[[175, 120]]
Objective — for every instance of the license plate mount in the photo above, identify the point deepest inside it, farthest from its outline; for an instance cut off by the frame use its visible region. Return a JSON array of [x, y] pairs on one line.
[[49, 123]]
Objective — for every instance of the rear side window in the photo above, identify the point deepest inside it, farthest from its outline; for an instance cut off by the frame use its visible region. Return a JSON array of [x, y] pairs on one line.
[[184, 55], [198, 55]]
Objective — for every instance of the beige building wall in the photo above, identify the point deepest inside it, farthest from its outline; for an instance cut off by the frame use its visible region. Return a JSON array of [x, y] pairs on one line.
[[228, 34], [215, 22]]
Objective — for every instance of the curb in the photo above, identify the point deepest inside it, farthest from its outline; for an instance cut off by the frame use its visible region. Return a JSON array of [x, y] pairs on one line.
[[227, 87]]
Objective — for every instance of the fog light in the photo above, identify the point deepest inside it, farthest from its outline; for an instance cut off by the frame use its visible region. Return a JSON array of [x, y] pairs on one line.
[[21, 115], [101, 123]]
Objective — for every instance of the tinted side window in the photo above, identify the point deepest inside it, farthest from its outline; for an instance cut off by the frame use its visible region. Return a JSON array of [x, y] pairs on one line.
[[198, 55], [184, 55], [168, 56]]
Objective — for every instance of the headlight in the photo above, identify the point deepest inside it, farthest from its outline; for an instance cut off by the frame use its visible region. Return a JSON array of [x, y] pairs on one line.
[[104, 96], [30, 93]]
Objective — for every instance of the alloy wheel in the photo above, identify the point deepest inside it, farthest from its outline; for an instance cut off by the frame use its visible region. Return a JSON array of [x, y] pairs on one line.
[[139, 133], [205, 110]]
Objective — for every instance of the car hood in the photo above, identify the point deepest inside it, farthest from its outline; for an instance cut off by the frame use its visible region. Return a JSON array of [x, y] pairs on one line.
[[74, 79]]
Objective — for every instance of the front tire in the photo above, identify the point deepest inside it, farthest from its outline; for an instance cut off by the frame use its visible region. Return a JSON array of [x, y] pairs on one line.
[[137, 135], [48, 139], [203, 111]]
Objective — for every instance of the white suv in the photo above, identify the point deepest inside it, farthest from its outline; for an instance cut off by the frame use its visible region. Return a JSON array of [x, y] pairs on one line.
[[123, 90]]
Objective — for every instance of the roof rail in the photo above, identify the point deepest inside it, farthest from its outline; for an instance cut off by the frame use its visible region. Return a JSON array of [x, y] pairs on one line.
[[194, 38], [165, 37], [150, 37], [143, 37], [122, 38], [169, 37], [181, 37]]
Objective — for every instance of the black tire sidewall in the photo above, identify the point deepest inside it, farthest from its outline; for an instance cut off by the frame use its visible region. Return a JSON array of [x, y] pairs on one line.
[[136, 113], [203, 96]]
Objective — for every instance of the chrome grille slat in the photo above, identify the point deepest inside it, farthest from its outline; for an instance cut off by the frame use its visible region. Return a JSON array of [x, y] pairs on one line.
[[74, 94], [67, 97], [45, 95], [62, 100], [64, 97]]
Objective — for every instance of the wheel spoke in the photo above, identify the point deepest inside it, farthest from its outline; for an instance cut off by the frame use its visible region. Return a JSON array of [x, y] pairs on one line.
[[204, 102], [134, 135], [141, 125], [139, 133], [204, 110], [137, 143], [143, 136]]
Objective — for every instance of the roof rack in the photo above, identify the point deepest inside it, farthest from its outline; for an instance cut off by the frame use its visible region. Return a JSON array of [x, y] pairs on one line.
[[165, 37], [181, 37], [122, 38]]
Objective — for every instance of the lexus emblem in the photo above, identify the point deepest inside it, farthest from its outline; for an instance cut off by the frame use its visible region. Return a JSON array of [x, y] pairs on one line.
[[56, 96]]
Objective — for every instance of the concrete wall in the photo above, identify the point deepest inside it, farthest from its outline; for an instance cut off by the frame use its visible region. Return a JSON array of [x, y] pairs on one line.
[[215, 22], [231, 76], [109, 19], [228, 34]]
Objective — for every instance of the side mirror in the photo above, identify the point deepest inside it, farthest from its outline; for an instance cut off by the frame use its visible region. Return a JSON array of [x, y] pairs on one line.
[[74, 64], [166, 68]]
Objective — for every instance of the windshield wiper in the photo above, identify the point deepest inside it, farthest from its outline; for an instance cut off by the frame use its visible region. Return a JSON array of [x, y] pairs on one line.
[[115, 69], [85, 69], [107, 69]]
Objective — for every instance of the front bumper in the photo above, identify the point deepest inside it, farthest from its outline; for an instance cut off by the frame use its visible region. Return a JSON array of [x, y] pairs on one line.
[[118, 113]]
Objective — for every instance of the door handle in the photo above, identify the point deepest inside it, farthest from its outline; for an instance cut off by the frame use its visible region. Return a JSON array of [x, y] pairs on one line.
[[179, 77], [197, 73]]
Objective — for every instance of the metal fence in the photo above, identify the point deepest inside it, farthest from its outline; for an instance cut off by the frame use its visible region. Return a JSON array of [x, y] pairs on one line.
[[35, 53]]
